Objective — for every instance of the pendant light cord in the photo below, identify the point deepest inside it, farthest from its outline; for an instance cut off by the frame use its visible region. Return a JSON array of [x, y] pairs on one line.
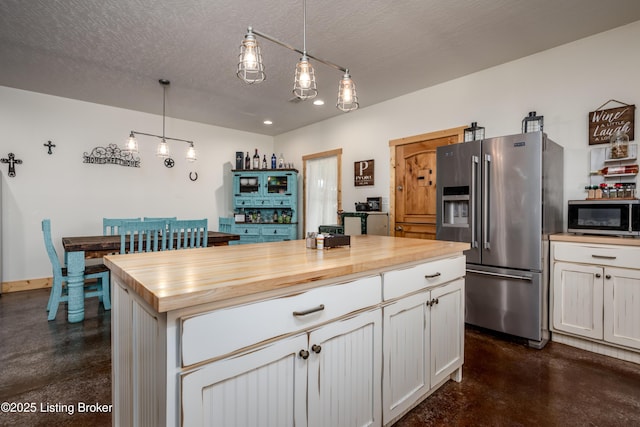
[[164, 100], [304, 26]]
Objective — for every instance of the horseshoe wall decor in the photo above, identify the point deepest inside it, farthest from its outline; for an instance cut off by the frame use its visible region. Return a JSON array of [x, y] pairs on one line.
[[192, 177]]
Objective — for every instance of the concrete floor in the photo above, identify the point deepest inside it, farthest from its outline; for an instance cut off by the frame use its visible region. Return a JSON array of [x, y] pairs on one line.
[[57, 366]]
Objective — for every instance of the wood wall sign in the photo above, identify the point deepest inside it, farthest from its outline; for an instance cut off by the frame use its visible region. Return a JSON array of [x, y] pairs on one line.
[[364, 173], [604, 123]]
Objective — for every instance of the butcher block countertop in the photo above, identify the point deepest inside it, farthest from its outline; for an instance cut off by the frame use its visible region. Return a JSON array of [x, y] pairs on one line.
[[591, 238], [171, 280]]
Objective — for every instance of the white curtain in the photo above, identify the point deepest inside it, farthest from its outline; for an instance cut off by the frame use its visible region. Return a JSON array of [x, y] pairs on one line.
[[321, 192]]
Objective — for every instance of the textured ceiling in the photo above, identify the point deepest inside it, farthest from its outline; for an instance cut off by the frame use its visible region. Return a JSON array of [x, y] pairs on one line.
[[114, 51]]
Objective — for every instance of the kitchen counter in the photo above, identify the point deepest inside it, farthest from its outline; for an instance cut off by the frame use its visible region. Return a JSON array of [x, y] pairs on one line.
[[172, 280], [597, 239], [199, 335]]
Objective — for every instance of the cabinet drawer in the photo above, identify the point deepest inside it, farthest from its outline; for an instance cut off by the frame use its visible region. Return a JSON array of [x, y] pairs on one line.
[[220, 332], [275, 230], [251, 202], [284, 203], [607, 255], [401, 282], [246, 230]]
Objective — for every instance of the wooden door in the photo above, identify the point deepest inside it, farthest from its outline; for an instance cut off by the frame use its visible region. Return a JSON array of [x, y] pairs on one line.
[[345, 368], [578, 299], [447, 331], [413, 170], [622, 306]]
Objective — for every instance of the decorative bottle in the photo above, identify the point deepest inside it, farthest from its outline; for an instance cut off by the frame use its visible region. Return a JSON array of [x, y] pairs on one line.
[[256, 160], [273, 161], [617, 170], [264, 162], [281, 162], [247, 162]]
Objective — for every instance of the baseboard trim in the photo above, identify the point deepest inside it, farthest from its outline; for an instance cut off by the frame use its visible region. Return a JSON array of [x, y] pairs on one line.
[[27, 285]]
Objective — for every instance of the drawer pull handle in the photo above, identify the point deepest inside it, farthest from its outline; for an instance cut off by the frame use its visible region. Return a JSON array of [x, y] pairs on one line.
[[309, 311], [316, 348], [432, 276], [603, 256], [304, 354]]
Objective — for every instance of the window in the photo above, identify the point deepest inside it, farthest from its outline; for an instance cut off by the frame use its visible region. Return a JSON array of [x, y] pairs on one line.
[[322, 189]]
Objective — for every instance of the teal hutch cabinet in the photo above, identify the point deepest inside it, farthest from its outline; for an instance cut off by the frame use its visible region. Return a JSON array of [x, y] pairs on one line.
[[265, 206]]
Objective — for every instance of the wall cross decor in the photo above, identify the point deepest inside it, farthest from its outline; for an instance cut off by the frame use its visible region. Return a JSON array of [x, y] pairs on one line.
[[12, 164], [49, 145]]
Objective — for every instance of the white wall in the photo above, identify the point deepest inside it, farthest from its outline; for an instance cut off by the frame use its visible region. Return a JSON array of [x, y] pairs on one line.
[[76, 196], [563, 84]]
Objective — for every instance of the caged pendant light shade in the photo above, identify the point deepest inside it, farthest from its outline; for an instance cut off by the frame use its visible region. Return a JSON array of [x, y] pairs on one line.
[[347, 98], [250, 67], [304, 86]]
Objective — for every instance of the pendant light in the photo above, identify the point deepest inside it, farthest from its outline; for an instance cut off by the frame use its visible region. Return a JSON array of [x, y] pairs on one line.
[[347, 98], [163, 146], [251, 69], [304, 83]]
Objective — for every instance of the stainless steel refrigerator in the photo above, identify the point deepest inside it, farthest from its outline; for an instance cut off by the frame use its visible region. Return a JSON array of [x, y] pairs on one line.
[[504, 196]]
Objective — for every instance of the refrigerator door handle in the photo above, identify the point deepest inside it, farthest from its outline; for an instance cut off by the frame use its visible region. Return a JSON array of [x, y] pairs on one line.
[[474, 190], [485, 203], [506, 276]]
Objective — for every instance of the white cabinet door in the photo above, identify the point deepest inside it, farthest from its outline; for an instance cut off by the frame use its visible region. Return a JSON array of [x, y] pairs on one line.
[[622, 306], [406, 338], [447, 330], [266, 387], [345, 363], [578, 299]]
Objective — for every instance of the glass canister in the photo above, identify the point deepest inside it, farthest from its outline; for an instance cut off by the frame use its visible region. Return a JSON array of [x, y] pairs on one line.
[[619, 145]]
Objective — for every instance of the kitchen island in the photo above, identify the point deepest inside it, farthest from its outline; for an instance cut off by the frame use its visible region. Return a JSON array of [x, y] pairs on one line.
[[278, 334]]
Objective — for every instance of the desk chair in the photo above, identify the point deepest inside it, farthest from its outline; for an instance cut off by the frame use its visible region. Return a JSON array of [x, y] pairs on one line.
[[58, 292], [144, 236], [111, 226], [188, 233]]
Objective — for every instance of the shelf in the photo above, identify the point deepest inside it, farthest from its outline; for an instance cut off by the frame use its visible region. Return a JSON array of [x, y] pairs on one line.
[[632, 150], [619, 175]]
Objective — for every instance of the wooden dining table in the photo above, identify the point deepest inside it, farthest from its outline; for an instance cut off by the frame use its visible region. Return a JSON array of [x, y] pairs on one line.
[[79, 248]]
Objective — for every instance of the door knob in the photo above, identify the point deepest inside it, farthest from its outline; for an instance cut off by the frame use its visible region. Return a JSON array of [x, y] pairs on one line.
[[399, 228], [399, 188], [304, 354], [316, 348]]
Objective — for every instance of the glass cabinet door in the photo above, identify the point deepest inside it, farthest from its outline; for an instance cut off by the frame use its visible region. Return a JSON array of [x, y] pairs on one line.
[[278, 184], [248, 184]]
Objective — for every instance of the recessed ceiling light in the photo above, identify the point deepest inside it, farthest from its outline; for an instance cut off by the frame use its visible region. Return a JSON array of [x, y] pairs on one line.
[[318, 102], [268, 122]]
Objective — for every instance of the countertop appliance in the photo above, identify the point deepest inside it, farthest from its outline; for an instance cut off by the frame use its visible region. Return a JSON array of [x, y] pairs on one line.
[[611, 217], [504, 196]]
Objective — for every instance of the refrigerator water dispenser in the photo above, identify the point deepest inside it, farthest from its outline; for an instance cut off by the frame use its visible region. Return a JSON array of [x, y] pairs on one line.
[[455, 206]]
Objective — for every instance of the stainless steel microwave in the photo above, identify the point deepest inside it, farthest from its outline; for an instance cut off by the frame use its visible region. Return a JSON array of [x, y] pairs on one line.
[[607, 216]]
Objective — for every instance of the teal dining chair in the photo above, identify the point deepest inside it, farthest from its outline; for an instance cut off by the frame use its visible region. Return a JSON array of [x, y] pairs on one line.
[[111, 226], [188, 233], [143, 236], [99, 272]]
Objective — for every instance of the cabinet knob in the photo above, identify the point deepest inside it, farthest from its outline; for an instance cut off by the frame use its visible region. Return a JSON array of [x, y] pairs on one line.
[[399, 228], [437, 300], [598, 275], [304, 354], [316, 348], [608, 276]]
